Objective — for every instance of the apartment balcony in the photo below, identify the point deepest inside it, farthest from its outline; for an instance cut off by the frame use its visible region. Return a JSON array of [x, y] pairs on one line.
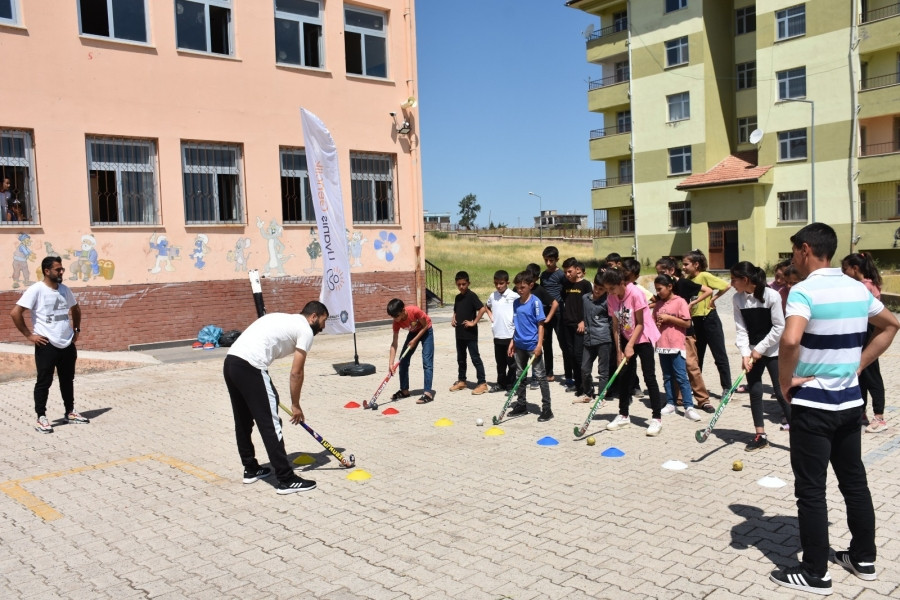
[[878, 95], [878, 163], [878, 27], [879, 202], [613, 192], [608, 41], [610, 142], [608, 92]]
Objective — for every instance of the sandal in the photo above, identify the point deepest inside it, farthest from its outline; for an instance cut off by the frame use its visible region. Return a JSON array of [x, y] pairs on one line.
[[400, 394], [425, 399]]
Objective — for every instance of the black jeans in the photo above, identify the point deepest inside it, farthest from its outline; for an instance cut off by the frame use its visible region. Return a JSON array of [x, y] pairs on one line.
[[754, 384], [472, 347], [49, 358], [647, 355], [817, 438], [601, 353], [709, 332], [870, 382], [573, 350], [506, 364]]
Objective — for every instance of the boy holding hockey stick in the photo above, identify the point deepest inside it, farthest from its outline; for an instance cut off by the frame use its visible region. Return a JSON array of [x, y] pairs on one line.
[[528, 340], [418, 323]]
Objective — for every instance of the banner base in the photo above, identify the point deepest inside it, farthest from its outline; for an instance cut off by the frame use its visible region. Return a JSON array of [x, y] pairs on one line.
[[356, 370]]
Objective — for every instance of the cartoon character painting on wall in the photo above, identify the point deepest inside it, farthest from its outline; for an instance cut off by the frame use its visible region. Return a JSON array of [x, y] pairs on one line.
[[165, 253], [21, 255], [314, 249], [355, 246], [86, 265], [277, 258], [239, 255], [386, 246], [201, 249]]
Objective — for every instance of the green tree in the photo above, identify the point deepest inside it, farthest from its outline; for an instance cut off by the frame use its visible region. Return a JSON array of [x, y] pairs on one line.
[[468, 211]]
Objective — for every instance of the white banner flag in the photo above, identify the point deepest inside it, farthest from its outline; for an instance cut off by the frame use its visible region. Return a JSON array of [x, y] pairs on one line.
[[325, 183]]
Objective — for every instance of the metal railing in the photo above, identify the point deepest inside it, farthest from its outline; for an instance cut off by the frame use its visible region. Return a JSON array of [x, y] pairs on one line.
[[618, 27], [882, 148], [880, 81], [877, 14], [599, 184], [434, 281], [596, 134], [596, 84]]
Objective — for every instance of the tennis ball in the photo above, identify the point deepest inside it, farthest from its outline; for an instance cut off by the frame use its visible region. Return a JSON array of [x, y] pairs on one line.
[[479, 422], [737, 465], [591, 441]]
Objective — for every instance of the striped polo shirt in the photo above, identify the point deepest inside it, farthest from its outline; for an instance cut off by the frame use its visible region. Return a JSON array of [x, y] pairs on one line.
[[838, 309]]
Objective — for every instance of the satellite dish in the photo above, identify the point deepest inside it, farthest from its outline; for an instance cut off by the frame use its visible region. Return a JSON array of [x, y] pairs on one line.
[[755, 136], [588, 31], [411, 102]]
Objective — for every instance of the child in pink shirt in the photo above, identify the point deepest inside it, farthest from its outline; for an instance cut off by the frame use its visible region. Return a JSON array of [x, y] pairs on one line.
[[673, 317]]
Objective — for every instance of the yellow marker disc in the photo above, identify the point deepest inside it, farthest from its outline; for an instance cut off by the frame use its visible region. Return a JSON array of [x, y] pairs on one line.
[[304, 459], [494, 431], [443, 423], [359, 475]]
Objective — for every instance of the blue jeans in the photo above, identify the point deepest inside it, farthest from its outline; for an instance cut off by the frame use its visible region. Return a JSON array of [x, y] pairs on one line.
[[674, 370], [427, 342]]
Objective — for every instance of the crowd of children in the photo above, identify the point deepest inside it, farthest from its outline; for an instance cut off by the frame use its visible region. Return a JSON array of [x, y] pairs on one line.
[[614, 322]]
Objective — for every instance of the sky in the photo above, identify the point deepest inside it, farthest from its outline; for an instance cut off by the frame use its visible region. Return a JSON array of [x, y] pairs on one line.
[[503, 108]]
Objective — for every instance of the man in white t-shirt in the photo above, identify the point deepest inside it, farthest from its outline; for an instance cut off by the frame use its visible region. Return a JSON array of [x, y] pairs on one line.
[[253, 395], [53, 334]]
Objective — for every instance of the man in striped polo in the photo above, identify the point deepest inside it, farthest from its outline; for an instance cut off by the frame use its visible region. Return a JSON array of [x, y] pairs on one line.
[[820, 356]]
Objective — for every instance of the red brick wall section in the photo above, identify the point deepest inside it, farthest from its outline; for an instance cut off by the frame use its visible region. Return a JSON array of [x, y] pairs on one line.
[[116, 317]]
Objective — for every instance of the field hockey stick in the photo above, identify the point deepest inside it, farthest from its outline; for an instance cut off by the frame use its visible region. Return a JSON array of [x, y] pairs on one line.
[[373, 403], [348, 462], [703, 434], [512, 392], [600, 401]]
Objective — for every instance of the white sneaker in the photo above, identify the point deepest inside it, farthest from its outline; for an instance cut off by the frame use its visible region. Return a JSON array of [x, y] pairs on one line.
[[619, 422], [691, 414], [655, 427], [668, 409]]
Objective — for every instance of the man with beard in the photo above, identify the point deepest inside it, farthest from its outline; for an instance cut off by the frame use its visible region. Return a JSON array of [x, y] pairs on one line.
[[53, 335], [253, 395]]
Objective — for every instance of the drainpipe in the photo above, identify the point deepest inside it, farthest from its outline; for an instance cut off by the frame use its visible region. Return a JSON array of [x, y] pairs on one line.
[[418, 217], [631, 112], [853, 161]]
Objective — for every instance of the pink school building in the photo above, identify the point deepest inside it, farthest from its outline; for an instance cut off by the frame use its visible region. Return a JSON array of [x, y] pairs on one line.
[[155, 146]]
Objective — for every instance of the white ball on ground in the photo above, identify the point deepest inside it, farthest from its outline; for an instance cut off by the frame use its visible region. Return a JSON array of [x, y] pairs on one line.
[[479, 422]]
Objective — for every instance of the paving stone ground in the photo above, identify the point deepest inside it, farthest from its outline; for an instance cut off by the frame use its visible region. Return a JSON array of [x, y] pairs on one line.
[[147, 500]]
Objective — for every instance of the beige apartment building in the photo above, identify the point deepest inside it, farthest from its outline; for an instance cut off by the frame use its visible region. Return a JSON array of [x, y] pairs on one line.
[[730, 124], [156, 147]]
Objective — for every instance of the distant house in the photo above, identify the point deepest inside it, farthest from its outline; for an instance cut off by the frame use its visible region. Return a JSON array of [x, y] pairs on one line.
[[550, 219], [437, 221]]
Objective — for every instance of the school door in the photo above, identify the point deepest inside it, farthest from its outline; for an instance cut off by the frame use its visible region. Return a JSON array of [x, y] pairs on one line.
[[723, 245]]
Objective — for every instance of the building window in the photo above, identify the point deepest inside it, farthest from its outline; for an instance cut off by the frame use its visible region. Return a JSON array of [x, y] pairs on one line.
[[372, 187], [790, 22], [626, 220], [622, 71], [625, 171], [212, 183], [620, 21], [679, 215], [122, 175], [298, 33], [673, 5], [897, 206], [8, 12], [679, 106], [679, 160], [746, 20], [792, 206], [791, 83], [117, 19], [746, 125], [677, 52], [296, 195], [17, 165], [746, 75], [365, 42], [203, 25], [623, 121], [792, 144]]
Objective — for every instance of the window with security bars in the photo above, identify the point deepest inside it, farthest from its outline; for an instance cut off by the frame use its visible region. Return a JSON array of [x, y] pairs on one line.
[[203, 25], [212, 183], [122, 181], [365, 42], [17, 166], [626, 220], [116, 19], [746, 20], [792, 206], [746, 75], [790, 22], [746, 125], [9, 12], [791, 83], [372, 187], [679, 215], [298, 32], [677, 52], [296, 194], [792, 144]]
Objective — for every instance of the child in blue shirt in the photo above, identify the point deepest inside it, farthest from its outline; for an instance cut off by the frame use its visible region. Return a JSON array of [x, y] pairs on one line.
[[528, 341]]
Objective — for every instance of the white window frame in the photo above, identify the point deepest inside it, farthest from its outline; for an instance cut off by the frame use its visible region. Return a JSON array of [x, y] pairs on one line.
[[679, 106], [788, 80], [746, 125], [745, 20], [295, 168], [678, 46], [26, 161], [364, 188], [112, 26], [626, 220], [793, 207], [683, 155], [207, 4], [300, 21], [96, 163], [746, 75], [788, 140], [673, 5], [14, 14], [791, 17], [214, 209], [680, 214], [363, 32]]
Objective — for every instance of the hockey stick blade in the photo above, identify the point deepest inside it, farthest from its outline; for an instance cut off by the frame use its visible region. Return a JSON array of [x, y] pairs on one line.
[[702, 435], [512, 392], [373, 403], [599, 402]]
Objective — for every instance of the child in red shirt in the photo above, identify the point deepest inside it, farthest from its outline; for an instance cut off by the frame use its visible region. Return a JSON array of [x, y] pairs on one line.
[[418, 323]]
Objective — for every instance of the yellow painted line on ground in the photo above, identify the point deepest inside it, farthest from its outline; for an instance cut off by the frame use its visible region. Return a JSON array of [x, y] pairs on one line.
[[14, 490]]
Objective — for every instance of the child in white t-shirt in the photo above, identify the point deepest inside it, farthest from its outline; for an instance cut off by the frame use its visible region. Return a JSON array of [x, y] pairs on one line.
[[499, 307]]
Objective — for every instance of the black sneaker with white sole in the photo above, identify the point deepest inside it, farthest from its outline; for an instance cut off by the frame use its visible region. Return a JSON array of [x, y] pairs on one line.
[[863, 570], [296, 484], [797, 578], [517, 409], [253, 475]]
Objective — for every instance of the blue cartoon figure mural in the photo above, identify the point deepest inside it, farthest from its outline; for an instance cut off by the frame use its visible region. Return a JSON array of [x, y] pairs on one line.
[[86, 263], [201, 249], [165, 252], [386, 246], [21, 255], [355, 246]]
